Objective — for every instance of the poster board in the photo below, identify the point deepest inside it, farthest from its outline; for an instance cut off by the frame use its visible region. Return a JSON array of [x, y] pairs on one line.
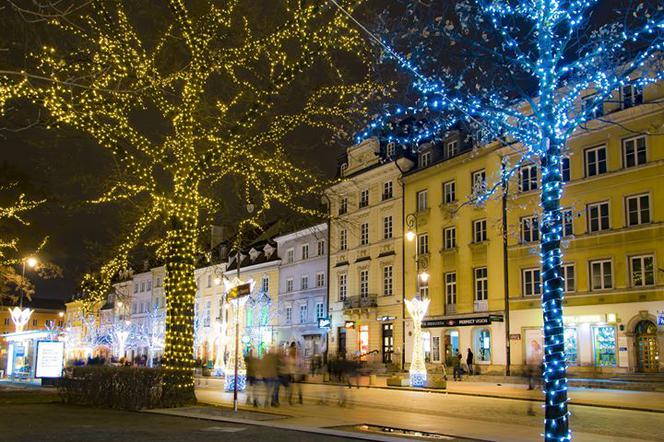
[[50, 359]]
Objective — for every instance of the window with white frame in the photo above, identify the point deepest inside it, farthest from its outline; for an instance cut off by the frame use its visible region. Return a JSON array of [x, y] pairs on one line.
[[642, 270], [424, 289], [478, 182], [422, 200], [320, 279], [531, 283], [449, 192], [136, 288], [149, 286], [303, 313], [634, 151], [364, 283], [592, 107], [595, 161], [289, 284], [364, 234], [305, 251], [320, 310], [387, 227], [449, 238], [601, 274], [631, 95], [304, 282], [321, 247], [343, 206], [343, 239], [142, 286], [364, 198], [565, 170], [265, 284], [343, 286], [450, 288], [481, 284], [528, 178], [598, 216], [387, 190], [209, 281], [451, 148], [638, 209], [423, 243], [390, 150], [425, 158], [569, 277], [289, 315], [529, 229], [479, 230], [568, 222], [387, 280], [290, 256]]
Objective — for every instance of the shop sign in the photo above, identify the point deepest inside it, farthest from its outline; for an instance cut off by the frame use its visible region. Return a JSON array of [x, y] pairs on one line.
[[456, 322], [496, 318], [325, 323], [584, 319], [515, 337], [386, 318], [349, 324], [660, 319]]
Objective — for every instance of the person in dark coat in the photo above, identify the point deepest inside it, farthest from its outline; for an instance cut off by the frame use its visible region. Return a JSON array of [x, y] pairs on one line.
[[469, 362], [457, 366]]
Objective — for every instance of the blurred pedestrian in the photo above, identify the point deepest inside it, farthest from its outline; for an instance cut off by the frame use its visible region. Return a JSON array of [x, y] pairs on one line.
[[457, 366], [295, 369], [469, 362], [251, 363]]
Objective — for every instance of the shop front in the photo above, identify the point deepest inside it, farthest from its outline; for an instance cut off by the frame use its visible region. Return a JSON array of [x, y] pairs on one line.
[[444, 337], [611, 338], [28, 353]]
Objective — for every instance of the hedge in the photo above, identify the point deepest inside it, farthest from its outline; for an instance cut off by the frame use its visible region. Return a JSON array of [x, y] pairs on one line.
[[127, 388]]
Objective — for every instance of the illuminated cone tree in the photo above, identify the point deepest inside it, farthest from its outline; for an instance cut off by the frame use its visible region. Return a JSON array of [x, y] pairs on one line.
[[527, 74], [189, 97]]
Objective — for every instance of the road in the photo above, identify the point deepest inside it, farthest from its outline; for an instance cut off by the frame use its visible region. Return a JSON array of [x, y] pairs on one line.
[[462, 416]]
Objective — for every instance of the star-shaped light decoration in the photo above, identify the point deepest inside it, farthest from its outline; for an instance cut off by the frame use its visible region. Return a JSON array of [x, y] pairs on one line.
[[20, 317]]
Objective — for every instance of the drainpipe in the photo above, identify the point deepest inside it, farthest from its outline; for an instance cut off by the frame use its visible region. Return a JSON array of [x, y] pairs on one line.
[[327, 275], [506, 285], [403, 266]]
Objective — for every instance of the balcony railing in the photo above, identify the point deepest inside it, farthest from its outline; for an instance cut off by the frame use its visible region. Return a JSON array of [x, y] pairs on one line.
[[367, 301], [481, 306]]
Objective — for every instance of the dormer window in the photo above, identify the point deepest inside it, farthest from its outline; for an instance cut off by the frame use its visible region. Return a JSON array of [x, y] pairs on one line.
[[343, 168], [268, 250], [253, 254], [631, 95], [425, 158], [451, 148], [390, 150]]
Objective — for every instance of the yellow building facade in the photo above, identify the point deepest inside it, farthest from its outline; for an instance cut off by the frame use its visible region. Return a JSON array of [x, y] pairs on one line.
[[614, 236], [366, 260]]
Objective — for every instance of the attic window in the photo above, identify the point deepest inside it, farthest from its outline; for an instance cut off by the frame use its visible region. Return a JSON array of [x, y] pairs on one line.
[[253, 254], [268, 250]]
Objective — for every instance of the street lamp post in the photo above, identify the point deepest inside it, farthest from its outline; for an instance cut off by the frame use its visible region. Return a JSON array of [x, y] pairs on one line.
[[417, 307], [31, 262]]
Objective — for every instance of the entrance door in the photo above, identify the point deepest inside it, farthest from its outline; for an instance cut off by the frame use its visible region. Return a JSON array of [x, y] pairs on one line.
[[388, 343], [341, 336], [646, 347]]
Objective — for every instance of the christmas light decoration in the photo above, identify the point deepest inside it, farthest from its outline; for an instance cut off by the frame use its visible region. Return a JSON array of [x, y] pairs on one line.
[[417, 309], [508, 47], [20, 317], [193, 100]]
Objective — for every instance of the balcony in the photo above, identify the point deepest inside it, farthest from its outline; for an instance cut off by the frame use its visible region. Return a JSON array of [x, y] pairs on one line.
[[481, 306], [450, 309], [360, 302]]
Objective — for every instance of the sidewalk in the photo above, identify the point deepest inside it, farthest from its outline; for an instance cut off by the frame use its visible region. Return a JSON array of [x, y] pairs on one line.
[[456, 415], [595, 397]]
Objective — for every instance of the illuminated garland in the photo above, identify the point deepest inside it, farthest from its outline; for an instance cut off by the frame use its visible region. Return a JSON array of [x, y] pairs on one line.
[[537, 40], [100, 72]]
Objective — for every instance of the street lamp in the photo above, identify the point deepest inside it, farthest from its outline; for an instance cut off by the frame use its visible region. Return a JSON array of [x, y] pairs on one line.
[[421, 261]]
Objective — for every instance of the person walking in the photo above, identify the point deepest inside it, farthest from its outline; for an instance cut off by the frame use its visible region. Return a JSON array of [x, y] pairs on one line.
[[469, 362], [457, 366]]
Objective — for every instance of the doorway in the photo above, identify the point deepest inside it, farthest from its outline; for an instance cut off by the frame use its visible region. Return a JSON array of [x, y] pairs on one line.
[[341, 335], [451, 346], [388, 342], [647, 354]]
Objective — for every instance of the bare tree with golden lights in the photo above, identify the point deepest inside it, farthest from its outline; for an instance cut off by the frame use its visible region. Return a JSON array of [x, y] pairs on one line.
[[189, 95]]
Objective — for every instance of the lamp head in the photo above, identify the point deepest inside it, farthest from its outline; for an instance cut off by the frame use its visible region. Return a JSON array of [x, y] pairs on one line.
[[424, 276], [31, 261], [410, 235]]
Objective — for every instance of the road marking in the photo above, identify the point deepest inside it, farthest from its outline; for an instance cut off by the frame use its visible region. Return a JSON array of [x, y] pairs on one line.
[[224, 429]]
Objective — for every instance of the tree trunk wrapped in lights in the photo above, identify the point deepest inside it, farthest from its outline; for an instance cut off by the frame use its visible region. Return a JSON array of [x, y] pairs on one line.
[[193, 96]]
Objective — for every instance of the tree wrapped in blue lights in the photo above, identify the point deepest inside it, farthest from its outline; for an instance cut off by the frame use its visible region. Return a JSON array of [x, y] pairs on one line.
[[526, 74]]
